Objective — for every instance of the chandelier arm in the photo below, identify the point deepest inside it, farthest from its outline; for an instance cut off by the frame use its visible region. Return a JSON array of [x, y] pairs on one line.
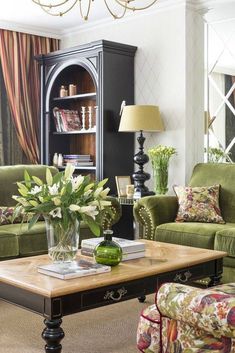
[[84, 17], [113, 14], [126, 5], [38, 2], [58, 13]]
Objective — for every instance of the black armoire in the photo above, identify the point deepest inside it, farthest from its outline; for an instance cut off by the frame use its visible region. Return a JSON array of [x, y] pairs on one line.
[[103, 75]]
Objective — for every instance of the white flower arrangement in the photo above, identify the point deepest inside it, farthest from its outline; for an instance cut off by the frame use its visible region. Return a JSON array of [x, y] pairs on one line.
[[63, 198]]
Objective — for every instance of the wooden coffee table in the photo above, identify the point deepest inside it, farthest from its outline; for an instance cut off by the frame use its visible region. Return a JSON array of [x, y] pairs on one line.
[[21, 284]]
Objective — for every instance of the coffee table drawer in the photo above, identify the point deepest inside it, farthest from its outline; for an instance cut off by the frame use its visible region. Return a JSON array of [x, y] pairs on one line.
[[118, 293], [188, 274]]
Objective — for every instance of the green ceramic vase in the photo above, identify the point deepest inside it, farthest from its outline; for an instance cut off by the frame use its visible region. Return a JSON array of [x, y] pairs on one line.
[[108, 252]]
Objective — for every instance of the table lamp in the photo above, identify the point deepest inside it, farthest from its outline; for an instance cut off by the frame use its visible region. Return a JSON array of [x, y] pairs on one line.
[[141, 118]]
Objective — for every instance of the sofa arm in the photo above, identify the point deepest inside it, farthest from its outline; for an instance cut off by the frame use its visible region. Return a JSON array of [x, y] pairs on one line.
[[151, 211], [212, 310], [110, 218]]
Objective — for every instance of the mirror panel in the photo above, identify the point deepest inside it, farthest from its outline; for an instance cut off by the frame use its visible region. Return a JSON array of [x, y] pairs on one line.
[[220, 93]]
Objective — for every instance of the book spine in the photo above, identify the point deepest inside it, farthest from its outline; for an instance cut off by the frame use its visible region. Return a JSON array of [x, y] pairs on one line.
[[125, 249], [57, 119], [125, 256], [63, 120], [87, 252], [132, 256]]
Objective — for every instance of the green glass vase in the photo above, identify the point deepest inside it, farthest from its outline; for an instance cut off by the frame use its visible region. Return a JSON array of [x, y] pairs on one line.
[[108, 252]]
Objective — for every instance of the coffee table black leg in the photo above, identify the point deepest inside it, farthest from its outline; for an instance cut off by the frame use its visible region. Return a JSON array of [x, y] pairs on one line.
[[53, 334], [215, 281], [142, 299]]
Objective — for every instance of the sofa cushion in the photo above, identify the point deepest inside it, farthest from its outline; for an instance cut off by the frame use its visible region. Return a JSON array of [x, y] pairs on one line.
[[10, 174], [228, 274], [225, 241], [30, 242], [33, 241], [9, 246], [198, 204], [199, 235]]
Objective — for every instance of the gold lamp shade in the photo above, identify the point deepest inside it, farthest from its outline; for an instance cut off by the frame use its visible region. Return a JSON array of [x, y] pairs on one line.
[[141, 118]]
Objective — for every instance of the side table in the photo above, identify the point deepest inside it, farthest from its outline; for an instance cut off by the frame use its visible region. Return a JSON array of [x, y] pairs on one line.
[[125, 226]]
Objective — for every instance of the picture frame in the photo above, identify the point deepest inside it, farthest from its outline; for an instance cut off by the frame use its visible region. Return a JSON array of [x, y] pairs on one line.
[[121, 183]]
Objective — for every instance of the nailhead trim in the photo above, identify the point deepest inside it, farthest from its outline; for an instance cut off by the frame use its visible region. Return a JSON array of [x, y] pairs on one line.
[[146, 220]]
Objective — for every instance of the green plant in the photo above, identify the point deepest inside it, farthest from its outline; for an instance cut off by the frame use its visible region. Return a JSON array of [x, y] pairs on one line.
[[63, 199], [216, 155], [160, 155]]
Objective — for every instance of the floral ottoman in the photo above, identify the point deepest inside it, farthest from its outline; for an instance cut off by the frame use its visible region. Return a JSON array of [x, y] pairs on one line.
[[190, 320]]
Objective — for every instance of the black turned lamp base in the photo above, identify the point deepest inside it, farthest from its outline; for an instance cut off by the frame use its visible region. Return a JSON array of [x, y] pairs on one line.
[[142, 193], [140, 177]]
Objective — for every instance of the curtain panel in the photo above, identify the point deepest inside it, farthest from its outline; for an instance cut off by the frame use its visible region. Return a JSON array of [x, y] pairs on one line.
[[22, 81]]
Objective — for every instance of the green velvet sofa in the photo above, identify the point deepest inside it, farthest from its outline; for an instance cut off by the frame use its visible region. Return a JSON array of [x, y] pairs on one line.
[[157, 214], [16, 240]]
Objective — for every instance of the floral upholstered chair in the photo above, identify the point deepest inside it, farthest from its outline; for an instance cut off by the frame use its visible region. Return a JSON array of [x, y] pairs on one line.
[[189, 320]]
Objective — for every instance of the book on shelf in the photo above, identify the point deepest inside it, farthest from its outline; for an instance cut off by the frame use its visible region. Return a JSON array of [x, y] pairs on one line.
[[75, 269], [125, 256], [80, 164], [66, 120], [57, 119], [71, 120], [78, 156], [78, 161], [127, 246]]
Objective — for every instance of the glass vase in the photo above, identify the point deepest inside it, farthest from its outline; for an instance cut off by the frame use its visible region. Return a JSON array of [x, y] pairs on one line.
[[160, 174], [62, 243], [108, 252]]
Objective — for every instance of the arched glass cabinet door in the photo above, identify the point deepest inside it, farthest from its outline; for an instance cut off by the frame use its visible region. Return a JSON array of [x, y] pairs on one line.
[[72, 122], [220, 92]]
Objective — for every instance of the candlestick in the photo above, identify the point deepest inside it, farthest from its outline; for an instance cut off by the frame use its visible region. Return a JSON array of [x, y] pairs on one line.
[[90, 117], [83, 118]]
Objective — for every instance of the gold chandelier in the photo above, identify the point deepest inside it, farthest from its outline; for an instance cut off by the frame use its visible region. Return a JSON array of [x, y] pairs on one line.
[[61, 7]]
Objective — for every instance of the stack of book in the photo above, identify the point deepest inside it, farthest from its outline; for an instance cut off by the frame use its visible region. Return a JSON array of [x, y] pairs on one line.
[[78, 160], [75, 269], [66, 120], [131, 249]]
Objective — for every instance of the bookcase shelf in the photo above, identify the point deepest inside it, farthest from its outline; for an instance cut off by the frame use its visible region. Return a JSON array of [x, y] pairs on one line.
[[103, 73], [81, 168], [73, 132], [77, 96]]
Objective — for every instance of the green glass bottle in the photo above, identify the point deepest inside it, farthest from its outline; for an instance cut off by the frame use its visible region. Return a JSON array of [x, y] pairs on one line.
[[108, 252]]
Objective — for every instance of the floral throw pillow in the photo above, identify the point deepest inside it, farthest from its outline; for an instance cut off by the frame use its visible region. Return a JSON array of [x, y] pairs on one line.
[[198, 204], [7, 217]]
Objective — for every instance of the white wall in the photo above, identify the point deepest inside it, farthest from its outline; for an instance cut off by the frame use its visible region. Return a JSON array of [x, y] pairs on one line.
[[164, 76]]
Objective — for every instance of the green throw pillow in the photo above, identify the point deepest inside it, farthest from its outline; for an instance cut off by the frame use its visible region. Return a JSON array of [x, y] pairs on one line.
[[198, 204]]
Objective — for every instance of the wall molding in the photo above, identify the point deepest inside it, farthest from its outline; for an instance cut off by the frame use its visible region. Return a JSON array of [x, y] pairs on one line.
[[36, 30], [201, 6], [165, 5]]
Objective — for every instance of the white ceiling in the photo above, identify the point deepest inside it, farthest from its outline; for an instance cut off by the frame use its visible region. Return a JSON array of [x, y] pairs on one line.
[[24, 15]]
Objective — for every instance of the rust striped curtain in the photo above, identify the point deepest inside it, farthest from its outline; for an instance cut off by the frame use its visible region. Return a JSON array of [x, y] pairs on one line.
[[22, 81]]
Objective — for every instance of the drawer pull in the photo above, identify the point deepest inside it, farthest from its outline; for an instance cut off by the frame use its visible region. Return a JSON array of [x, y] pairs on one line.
[[182, 277], [111, 294]]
